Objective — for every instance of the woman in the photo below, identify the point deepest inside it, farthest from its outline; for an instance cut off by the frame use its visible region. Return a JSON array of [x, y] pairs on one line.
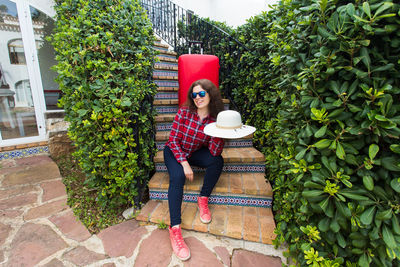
[[188, 145]]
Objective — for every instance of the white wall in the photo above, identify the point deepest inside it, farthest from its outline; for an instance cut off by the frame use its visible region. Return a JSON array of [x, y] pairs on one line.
[[233, 12]]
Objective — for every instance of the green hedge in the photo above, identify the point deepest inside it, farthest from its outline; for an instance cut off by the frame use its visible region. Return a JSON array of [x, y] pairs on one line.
[[324, 94], [321, 83], [105, 59]]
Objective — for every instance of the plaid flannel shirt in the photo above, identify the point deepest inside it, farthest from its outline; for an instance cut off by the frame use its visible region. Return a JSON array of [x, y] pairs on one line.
[[187, 135]]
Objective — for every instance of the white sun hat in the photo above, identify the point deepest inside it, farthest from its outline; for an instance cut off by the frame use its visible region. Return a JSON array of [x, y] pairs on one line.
[[228, 125]]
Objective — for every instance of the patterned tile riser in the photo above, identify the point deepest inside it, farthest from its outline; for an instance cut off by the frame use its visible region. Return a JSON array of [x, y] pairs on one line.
[[166, 83], [165, 73], [23, 152], [228, 143], [161, 127], [166, 56], [218, 199], [160, 96], [253, 168], [166, 109], [160, 48], [166, 64]]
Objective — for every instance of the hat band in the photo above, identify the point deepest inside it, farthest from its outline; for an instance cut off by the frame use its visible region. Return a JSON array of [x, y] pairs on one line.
[[229, 127]]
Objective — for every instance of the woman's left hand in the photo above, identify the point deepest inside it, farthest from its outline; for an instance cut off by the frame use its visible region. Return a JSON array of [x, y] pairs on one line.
[[187, 170]]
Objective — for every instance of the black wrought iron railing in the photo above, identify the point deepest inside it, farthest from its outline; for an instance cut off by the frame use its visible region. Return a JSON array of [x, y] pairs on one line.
[[187, 32], [165, 16]]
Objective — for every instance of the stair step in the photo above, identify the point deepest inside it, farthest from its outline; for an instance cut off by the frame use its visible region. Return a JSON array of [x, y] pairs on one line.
[[231, 155], [246, 223], [163, 51], [168, 58], [167, 83], [168, 89], [165, 66], [166, 95], [166, 77], [165, 102], [165, 117], [167, 73], [160, 45], [166, 109], [229, 184]]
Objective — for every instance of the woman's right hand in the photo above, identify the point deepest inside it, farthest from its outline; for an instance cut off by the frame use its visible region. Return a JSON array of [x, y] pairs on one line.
[[187, 170]]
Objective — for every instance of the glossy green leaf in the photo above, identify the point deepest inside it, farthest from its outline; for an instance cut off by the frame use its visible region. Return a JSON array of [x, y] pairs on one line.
[[323, 224], [340, 151], [310, 184], [368, 182], [368, 215], [312, 193], [324, 143], [391, 253], [383, 68], [301, 154], [321, 132], [341, 241], [343, 209], [354, 196], [395, 148], [334, 226], [361, 19], [367, 9], [383, 7], [373, 150], [363, 260], [391, 163], [366, 58], [388, 237], [395, 225], [384, 215], [324, 204]]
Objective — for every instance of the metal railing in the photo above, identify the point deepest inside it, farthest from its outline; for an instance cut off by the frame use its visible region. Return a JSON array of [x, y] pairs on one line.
[[181, 29], [165, 17]]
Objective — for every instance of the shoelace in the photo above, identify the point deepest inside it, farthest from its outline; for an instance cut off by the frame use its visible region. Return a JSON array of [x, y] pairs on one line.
[[178, 239], [203, 205]]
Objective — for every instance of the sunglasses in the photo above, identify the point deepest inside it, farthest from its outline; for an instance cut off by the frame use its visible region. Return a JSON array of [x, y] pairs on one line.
[[201, 94]]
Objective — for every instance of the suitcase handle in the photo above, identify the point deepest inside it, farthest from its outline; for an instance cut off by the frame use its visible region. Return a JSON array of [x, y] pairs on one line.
[[196, 43]]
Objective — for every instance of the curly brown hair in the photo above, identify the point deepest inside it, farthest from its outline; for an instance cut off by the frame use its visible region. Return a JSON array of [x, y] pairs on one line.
[[215, 106]]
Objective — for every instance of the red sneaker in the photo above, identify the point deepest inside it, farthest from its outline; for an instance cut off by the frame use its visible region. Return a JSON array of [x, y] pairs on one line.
[[179, 246], [205, 214]]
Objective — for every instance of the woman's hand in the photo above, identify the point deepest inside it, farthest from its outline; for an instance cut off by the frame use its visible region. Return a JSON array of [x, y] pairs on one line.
[[187, 170]]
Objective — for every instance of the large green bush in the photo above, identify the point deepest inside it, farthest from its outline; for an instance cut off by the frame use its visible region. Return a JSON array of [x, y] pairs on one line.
[[323, 88], [105, 58], [321, 83]]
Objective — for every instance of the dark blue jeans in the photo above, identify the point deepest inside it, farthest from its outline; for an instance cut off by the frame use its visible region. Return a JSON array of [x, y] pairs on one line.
[[200, 158]]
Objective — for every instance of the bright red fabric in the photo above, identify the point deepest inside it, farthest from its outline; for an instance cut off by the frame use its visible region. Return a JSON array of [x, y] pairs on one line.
[[195, 67]]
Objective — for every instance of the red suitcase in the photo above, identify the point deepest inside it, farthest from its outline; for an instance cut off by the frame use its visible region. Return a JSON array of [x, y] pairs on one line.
[[194, 67]]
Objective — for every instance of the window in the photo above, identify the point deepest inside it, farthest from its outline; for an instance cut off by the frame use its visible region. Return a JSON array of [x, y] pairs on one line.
[[23, 94], [16, 51]]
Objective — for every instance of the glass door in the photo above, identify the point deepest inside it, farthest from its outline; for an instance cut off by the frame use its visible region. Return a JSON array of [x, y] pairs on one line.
[[21, 110]]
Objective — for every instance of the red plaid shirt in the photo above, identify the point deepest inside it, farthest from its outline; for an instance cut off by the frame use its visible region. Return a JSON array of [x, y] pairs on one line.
[[187, 135]]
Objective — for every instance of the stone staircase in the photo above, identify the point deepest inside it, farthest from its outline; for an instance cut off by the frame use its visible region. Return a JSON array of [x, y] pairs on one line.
[[241, 201]]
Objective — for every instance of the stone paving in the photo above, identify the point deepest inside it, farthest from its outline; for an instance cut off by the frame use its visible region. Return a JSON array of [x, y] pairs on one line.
[[37, 228]]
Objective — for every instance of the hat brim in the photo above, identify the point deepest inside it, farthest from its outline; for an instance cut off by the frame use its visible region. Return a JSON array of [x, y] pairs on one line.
[[212, 130]]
